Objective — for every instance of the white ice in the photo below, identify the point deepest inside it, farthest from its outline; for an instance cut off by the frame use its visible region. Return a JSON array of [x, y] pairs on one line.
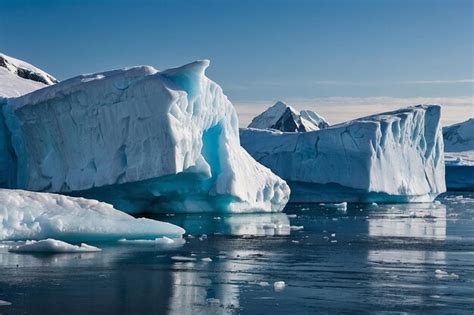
[[389, 157], [52, 246], [26, 215]]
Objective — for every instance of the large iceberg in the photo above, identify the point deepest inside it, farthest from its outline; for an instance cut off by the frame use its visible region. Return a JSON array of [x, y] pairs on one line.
[[283, 117], [140, 139], [26, 215], [390, 157], [459, 155]]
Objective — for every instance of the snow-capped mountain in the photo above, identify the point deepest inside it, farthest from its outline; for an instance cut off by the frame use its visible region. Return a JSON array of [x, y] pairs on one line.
[[18, 77], [285, 118]]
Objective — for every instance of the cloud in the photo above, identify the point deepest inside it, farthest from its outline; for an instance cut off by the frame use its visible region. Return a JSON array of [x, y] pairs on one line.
[[339, 109], [440, 81]]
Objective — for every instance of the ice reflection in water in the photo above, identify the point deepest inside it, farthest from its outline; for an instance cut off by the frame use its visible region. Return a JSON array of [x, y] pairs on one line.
[[370, 258]]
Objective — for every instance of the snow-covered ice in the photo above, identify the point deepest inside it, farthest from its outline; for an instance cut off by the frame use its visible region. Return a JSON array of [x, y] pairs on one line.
[[279, 285], [390, 157], [459, 155], [283, 117], [139, 139], [18, 77], [26, 215], [157, 241], [52, 246]]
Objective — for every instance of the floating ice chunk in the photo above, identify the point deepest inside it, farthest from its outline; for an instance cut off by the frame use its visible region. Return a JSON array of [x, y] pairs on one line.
[[279, 285], [441, 274], [26, 215], [374, 204], [291, 216], [5, 303], [183, 258], [139, 139], [52, 246], [157, 241], [206, 259], [390, 157], [333, 235], [263, 284], [339, 206], [296, 227]]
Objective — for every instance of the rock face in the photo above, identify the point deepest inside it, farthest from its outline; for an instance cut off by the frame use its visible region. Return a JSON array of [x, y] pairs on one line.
[[18, 77], [140, 139], [390, 157], [285, 118], [459, 155]]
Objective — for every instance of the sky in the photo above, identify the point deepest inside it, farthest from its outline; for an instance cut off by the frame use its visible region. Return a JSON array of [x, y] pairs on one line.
[[343, 59]]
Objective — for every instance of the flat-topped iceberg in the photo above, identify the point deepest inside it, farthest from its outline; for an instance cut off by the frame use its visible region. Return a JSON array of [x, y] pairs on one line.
[[390, 157], [140, 139], [52, 246], [283, 117], [26, 215], [459, 155]]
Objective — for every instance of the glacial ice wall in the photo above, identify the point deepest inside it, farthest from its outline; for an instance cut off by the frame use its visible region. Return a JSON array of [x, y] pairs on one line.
[[140, 139], [395, 156]]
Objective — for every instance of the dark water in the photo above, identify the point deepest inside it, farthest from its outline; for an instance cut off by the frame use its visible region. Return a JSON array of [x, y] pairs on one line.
[[371, 259]]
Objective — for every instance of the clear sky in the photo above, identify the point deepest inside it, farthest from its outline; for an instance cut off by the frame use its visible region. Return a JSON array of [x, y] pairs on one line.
[[341, 58]]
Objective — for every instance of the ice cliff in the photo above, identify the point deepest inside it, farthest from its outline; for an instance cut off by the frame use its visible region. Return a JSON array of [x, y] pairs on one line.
[[390, 157], [459, 155], [283, 117], [138, 138]]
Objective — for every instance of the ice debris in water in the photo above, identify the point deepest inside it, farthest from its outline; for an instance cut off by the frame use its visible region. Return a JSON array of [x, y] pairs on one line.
[[5, 303], [52, 246], [206, 259], [263, 284], [157, 241], [339, 206], [279, 285], [296, 227], [183, 258], [441, 274]]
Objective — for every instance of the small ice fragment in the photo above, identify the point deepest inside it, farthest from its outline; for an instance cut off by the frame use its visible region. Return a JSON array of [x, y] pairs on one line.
[[190, 236], [333, 241], [279, 285], [296, 228], [291, 216], [333, 235], [206, 259], [52, 246], [263, 284], [441, 274], [217, 218], [294, 241], [338, 206], [213, 301], [374, 204], [203, 237], [437, 202], [183, 258], [326, 238], [4, 303]]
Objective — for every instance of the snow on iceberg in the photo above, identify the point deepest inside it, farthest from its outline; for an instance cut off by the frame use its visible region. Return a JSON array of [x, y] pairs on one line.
[[390, 157], [283, 117], [52, 246], [18, 77], [459, 155], [26, 215], [140, 139]]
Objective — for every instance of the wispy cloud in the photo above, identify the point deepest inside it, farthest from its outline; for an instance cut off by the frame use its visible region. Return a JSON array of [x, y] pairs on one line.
[[339, 109], [440, 81]]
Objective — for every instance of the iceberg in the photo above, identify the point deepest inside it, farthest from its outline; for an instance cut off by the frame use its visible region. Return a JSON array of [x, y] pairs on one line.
[[459, 155], [52, 246], [26, 215], [390, 157], [138, 138], [283, 117]]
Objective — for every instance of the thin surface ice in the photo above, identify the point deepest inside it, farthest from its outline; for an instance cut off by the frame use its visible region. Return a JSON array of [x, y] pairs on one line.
[[283, 117], [390, 157], [137, 138], [52, 246], [26, 215], [459, 155]]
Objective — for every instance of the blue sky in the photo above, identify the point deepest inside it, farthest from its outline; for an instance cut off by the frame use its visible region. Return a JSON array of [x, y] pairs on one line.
[[341, 58]]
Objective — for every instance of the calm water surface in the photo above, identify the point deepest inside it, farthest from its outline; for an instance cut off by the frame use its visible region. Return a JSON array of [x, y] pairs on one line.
[[370, 259]]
